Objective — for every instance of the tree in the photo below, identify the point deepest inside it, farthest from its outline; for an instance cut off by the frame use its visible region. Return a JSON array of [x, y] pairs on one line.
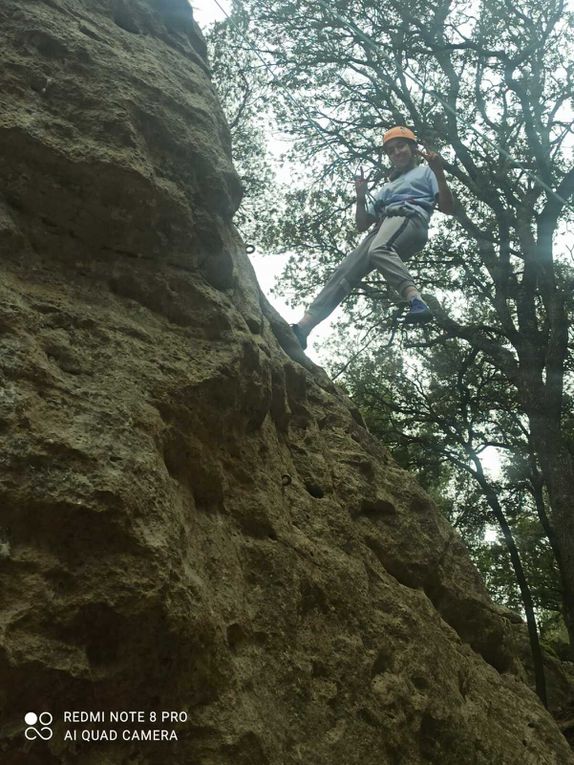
[[441, 421], [490, 87], [244, 93]]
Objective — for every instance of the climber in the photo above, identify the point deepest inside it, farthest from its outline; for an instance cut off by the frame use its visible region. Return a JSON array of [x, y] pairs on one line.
[[401, 211]]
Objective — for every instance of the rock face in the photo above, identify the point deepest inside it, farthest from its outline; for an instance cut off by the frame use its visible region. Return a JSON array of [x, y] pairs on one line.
[[192, 518]]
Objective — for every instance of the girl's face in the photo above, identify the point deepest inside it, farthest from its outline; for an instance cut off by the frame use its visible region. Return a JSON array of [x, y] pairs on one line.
[[400, 153]]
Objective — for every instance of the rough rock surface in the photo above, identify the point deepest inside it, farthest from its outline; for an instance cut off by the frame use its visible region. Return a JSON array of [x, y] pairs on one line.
[[191, 517]]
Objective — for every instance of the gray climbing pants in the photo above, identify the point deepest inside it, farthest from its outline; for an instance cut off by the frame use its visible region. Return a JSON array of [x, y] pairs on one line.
[[384, 248]]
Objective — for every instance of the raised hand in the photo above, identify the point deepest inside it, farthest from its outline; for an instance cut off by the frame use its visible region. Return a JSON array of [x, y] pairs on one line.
[[433, 158], [361, 188]]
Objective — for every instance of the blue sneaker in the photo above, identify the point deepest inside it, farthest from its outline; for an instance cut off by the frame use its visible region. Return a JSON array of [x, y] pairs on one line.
[[300, 335], [419, 312]]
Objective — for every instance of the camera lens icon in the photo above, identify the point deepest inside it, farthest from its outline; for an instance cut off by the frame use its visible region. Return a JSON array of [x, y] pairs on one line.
[[38, 726]]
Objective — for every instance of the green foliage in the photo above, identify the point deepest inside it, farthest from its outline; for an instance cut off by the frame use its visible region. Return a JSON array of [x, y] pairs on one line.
[[490, 85], [244, 91], [437, 429]]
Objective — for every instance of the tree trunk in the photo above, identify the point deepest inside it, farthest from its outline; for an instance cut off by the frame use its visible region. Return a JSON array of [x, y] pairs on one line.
[[558, 472], [496, 508]]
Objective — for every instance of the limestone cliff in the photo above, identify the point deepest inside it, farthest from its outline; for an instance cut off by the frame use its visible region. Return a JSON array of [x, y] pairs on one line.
[[191, 517]]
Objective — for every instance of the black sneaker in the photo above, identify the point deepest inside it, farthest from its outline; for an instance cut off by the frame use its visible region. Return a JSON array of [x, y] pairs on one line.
[[419, 312], [300, 335]]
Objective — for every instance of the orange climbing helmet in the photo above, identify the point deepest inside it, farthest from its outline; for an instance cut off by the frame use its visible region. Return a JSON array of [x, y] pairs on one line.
[[399, 132]]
